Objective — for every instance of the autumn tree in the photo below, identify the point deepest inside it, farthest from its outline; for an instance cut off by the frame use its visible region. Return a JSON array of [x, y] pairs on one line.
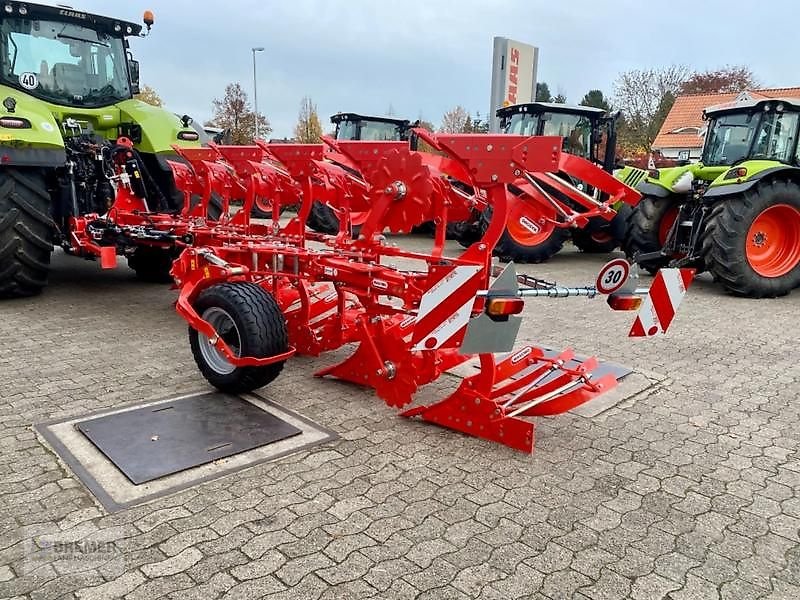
[[543, 93], [308, 129], [454, 120], [149, 95], [645, 96], [479, 125], [596, 99], [234, 113], [728, 79]]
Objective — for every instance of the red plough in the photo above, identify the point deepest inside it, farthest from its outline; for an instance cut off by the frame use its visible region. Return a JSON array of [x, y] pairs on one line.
[[255, 295]]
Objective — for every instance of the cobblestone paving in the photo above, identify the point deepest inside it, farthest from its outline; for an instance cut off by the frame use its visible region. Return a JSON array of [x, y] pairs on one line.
[[689, 491]]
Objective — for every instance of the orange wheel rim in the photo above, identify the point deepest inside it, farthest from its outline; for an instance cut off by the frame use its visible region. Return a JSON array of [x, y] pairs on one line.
[[601, 237], [527, 230], [772, 246], [263, 204], [358, 218]]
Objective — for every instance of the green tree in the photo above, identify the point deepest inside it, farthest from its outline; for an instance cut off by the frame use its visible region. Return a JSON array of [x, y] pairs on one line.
[[308, 129], [233, 112], [596, 99], [543, 93], [560, 98]]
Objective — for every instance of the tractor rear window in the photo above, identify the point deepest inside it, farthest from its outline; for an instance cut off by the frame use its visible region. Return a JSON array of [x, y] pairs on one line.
[[63, 63], [729, 138]]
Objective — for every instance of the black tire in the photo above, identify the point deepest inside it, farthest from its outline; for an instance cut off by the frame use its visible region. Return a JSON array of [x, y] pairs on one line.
[[261, 330], [642, 233], [725, 239], [257, 213], [322, 219], [587, 240], [152, 264], [508, 249], [466, 233], [214, 206], [26, 233]]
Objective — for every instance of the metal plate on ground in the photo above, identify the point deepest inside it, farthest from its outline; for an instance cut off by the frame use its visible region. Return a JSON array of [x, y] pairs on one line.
[[115, 491], [154, 441]]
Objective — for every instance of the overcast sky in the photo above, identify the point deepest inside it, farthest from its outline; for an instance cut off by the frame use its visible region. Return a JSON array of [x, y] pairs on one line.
[[424, 56]]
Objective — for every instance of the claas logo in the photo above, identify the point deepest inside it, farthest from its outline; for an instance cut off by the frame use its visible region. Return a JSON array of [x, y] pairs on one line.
[[513, 77]]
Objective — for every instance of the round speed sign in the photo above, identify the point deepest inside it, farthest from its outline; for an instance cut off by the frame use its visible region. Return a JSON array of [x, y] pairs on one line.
[[613, 276]]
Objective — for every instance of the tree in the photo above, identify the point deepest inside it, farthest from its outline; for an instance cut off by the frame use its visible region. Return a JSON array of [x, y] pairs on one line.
[[596, 99], [308, 129], [149, 95], [454, 120], [560, 98], [233, 112], [727, 79], [543, 93], [645, 97], [479, 125]]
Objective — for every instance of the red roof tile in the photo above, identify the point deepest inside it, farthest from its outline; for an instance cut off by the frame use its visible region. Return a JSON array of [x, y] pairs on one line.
[[688, 112]]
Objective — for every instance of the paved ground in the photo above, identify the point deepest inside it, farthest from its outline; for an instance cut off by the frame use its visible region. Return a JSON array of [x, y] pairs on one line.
[[690, 492]]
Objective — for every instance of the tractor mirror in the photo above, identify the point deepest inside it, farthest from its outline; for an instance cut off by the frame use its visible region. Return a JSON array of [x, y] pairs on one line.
[[133, 68]]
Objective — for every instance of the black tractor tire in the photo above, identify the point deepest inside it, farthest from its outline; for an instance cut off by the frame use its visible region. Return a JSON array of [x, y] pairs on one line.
[[256, 327], [587, 240], [642, 234], [152, 264], [214, 205], [725, 241], [322, 219], [257, 213], [508, 249], [26, 232]]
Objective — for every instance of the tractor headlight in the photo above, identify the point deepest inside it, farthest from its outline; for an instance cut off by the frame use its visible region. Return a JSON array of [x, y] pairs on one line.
[[15, 123], [736, 173], [189, 136]]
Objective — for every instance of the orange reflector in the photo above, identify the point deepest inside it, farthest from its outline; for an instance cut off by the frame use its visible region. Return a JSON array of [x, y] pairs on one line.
[[108, 257], [148, 18], [624, 301], [498, 307]]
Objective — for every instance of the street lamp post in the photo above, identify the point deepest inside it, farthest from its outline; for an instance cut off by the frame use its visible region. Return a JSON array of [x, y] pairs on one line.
[[255, 86]]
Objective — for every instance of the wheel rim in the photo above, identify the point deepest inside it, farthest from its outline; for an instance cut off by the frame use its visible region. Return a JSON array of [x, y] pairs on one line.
[[263, 204], [667, 221], [358, 218], [601, 237], [772, 245], [226, 328], [526, 231]]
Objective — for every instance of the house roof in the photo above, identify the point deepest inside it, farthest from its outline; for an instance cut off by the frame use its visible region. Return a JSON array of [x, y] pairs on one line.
[[688, 112]]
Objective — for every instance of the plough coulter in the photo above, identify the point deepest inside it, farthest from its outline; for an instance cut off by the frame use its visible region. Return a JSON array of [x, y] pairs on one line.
[[255, 295]]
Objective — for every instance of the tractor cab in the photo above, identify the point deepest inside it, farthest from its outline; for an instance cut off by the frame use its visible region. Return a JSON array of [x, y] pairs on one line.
[[67, 57], [765, 129], [352, 126], [587, 131]]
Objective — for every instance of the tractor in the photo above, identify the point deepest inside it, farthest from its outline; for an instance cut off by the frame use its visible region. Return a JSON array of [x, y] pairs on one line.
[[587, 132], [736, 213], [67, 87], [352, 126]]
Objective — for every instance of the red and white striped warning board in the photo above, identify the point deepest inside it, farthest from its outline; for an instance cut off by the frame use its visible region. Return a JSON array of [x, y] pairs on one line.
[[445, 308], [662, 301]]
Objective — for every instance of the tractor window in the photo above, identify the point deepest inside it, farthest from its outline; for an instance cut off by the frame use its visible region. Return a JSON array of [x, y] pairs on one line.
[[575, 129], [377, 131], [63, 63], [521, 124], [346, 130], [729, 138], [776, 136]]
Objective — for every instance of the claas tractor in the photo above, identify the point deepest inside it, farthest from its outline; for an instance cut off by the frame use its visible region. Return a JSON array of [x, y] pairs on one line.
[[736, 213], [586, 132], [353, 126], [67, 86]]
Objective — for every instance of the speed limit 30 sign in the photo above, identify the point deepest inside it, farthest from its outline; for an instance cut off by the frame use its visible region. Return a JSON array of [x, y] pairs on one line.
[[613, 276]]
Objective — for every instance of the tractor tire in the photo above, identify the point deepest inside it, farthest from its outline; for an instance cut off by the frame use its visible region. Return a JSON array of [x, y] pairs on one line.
[[262, 209], [751, 242], [605, 238], [152, 264], [26, 233], [322, 219], [647, 228], [214, 206], [515, 246], [251, 323]]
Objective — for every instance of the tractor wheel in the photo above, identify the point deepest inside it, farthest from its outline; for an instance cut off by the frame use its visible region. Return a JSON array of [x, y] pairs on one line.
[[751, 243], [152, 264], [605, 237], [323, 220], [214, 205], [262, 209], [26, 233], [521, 242], [249, 320], [648, 227]]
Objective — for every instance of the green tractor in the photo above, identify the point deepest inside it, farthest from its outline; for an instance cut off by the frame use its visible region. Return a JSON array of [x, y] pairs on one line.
[[67, 86], [736, 213], [587, 132], [352, 126]]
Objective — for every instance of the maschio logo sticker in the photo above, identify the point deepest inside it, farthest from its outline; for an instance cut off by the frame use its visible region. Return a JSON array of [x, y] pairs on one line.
[[47, 126], [28, 80]]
